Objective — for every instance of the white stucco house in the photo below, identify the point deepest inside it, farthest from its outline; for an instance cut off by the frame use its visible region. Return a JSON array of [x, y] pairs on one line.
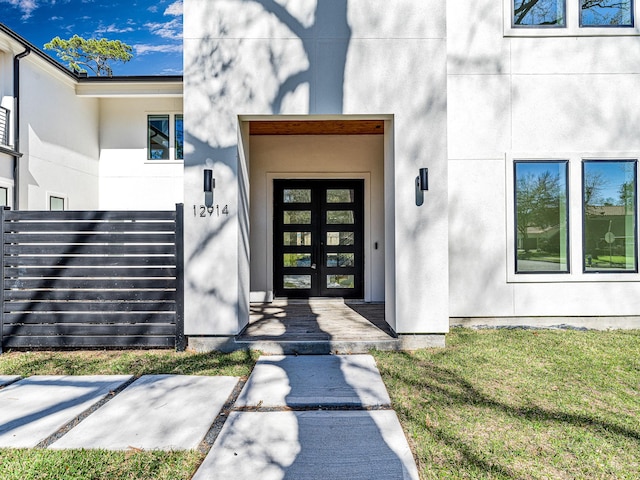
[[315, 122]]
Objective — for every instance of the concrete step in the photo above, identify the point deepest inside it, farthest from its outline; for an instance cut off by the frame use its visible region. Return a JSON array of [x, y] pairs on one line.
[[317, 347]]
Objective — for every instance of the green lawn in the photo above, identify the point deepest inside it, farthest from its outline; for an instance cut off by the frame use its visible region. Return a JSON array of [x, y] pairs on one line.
[[493, 404], [521, 404]]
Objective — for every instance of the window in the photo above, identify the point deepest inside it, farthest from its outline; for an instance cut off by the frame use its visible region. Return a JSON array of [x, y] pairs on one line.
[[158, 137], [609, 215], [164, 143], [4, 197], [541, 210], [537, 13], [56, 203], [606, 13], [179, 142], [570, 17]]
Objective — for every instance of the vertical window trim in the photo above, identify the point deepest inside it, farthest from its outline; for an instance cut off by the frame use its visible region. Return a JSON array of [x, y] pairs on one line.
[[567, 219], [635, 216], [175, 136]]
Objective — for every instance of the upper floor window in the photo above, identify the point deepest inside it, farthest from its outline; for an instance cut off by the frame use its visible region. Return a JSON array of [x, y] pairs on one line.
[[158, 137], [537, 13], [179, 140], [606, 13], [165, 137], [4, 126], [572, 17]]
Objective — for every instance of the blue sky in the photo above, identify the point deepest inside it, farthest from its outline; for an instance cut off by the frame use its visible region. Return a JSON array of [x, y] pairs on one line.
[[153, 29]]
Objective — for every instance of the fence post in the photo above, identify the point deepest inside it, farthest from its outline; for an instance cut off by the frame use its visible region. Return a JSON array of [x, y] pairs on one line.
[[181, 341], [2, 210]]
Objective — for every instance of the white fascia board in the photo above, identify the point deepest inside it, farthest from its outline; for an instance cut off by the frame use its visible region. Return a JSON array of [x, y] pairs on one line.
[[14, 47], [307, 117], [129, 89]]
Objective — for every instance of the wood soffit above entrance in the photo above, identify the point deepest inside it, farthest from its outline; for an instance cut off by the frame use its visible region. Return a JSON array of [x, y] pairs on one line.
[[317, 127]]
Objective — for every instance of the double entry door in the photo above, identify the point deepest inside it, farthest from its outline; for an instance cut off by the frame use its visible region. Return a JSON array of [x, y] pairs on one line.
[[318, 238]]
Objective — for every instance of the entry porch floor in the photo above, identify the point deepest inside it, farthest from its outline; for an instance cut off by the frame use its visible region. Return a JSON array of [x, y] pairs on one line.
[[317, 326]]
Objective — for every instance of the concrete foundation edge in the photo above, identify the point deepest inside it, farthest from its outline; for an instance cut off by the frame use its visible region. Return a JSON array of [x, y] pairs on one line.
[[227, 344], [568, 323]]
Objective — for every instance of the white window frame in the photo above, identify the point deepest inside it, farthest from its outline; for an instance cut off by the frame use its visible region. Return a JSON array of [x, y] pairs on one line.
[[9, 186], [65, 200], [172, 136], [572, 28], [574, 180]]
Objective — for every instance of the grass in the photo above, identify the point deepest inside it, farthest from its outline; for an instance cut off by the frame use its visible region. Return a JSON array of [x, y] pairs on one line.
[[521, 404], [23, 464], [39, 464], [494, 404], [129, 362]]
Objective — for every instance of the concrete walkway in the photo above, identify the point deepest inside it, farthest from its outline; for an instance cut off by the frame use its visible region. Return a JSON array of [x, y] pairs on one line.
[[311, 417], [326, 416]]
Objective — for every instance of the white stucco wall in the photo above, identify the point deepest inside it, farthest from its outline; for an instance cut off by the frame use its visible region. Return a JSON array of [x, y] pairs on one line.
[[59, 140], [127, 179], [526, 98], [346, 57]]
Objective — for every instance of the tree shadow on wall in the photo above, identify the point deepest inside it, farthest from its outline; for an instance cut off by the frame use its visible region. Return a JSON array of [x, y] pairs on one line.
[[231, 85]]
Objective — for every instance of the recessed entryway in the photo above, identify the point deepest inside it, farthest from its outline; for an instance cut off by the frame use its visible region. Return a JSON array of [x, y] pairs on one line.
[[320, 149]]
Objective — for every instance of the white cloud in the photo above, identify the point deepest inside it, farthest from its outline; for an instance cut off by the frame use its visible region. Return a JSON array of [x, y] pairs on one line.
[[172, 29], [112, 29], [26, 6], [143, 49], [174, 9]]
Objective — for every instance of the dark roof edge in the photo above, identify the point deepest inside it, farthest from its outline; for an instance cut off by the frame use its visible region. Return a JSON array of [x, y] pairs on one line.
[[83, 78], [6, 30]]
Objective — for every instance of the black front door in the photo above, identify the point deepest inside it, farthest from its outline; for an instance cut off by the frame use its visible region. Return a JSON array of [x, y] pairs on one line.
[[318, 238]]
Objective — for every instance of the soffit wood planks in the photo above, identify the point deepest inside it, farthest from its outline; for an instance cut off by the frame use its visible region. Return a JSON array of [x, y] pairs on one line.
[[317, 127]]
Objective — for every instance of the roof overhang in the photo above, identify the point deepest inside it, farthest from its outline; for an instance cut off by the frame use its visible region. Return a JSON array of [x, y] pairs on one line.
[[114, 87]]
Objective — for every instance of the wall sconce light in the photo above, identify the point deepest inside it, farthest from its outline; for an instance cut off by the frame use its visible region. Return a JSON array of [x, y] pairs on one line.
[[209, 185], [424, 179]]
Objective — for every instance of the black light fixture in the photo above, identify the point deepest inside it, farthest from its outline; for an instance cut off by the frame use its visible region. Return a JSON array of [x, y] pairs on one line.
[[209, 185], [423, 179]]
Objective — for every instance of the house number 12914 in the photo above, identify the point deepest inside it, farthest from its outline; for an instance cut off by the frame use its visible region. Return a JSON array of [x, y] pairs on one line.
[[202, 211]]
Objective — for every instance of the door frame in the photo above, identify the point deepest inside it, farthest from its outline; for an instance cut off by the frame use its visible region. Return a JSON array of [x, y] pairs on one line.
[[365, 176], [319, 248]]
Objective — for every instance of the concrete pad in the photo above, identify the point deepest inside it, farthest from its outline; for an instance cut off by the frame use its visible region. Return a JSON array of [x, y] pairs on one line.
[[317, 380], [156, 412], [34, 408], [7, 379], [310, 445]]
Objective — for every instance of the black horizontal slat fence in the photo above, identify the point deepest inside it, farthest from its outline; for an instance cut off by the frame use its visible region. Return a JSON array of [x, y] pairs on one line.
[[92, 279]]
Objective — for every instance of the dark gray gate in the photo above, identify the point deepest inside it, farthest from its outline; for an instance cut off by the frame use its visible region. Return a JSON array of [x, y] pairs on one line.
[[92, 279]]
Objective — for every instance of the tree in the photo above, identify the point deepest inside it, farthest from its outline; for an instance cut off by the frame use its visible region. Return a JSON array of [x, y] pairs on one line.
[[95, 54], [538, 202]]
